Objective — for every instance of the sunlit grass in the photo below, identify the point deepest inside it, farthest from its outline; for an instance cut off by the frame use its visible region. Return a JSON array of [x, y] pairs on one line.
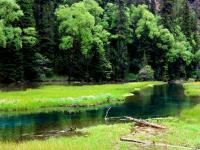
[[183, 131], [179, 132], [61, 95], [191, 115], [107, 137], [192, 89], [102, 137]]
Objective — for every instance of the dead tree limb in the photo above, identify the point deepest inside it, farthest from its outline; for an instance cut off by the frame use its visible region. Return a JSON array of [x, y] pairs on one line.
[[106, 116], [155, 144], [145, 123]]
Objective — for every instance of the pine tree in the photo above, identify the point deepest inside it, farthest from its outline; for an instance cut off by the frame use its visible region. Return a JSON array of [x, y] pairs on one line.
[[167, 13]]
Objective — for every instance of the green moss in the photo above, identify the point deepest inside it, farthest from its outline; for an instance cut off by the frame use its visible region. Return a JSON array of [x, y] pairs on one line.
[[63, 96]]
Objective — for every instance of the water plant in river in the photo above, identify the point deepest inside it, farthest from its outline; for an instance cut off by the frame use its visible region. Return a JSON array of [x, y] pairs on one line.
[[62, 96]]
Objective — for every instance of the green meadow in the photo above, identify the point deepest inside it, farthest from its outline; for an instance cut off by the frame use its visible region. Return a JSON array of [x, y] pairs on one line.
[[51, 96]]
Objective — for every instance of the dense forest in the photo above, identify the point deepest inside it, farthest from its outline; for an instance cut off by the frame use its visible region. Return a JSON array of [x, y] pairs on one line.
[[98, 40]]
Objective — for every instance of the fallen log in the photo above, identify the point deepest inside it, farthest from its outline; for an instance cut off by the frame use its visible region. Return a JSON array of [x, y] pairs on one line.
[[155, 144], [140, 122]]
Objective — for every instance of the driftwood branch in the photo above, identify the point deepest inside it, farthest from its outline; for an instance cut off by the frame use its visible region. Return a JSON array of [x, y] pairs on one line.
[[106, 116], [154, 144], [140, 122]]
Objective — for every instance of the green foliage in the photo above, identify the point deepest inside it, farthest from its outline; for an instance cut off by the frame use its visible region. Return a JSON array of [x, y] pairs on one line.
[[197, 56], [181, 20], [2, 35], [80, 31], [146, 73], [131, 77], [116, 20], [9, 13], [11, 38], [84, 41], [40, 68], [29, 37], [150, 38]]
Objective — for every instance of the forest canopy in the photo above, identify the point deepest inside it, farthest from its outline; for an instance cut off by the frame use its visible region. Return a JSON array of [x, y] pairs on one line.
[[98, 40]]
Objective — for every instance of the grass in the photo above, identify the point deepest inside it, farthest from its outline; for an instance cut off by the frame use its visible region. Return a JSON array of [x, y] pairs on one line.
[[63, 96], [102, 137], [179, 132], [192, 89], [183, 130], [107, 137]]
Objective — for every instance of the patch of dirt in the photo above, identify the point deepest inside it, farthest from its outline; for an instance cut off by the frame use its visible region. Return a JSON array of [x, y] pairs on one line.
[[147, 138], [147, 132]]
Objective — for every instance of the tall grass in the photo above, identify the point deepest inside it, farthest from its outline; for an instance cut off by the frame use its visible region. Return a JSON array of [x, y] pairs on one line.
[[61, 95], [192, 89], [107, 137], [102, 137]]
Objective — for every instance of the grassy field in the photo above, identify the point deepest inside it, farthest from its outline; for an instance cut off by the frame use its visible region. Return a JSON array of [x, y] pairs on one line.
[[179, 132], [183, 131], [192, 89], [73, 96], [102, 137]]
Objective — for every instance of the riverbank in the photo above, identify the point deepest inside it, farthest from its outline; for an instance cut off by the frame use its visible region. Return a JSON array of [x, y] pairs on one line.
[[182, 130], [192, 89], [179, 132], [51, 96]]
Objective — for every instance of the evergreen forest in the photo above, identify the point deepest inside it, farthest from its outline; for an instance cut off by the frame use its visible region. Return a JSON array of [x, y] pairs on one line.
[[102, 40]]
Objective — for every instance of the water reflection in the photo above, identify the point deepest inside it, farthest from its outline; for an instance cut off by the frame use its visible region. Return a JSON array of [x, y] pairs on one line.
[[160, 101]]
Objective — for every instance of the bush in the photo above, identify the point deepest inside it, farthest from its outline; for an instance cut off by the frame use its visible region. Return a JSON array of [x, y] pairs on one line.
[[191, 80], [131, 77], [196, 74], [146, 73]]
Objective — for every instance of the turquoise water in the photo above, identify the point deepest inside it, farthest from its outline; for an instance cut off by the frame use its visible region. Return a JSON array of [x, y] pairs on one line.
[[158, 101]]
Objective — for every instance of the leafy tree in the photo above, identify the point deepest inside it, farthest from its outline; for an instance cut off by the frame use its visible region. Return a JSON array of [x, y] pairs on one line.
[[32, 71], [116, 20], [80, 34], [180, 55], [11, 41], [167, 11], [45, 19], [150, 38], [93, 43]]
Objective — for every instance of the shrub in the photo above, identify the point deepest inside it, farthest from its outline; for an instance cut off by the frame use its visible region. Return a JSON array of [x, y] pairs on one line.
[[131, 77], [196, 74], [146, 73]]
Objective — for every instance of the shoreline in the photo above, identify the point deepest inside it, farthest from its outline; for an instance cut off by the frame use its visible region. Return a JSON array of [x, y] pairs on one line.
[[52, 96]]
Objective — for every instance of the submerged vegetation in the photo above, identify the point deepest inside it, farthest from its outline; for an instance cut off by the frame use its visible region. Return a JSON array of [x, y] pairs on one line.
[[72, 96]]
